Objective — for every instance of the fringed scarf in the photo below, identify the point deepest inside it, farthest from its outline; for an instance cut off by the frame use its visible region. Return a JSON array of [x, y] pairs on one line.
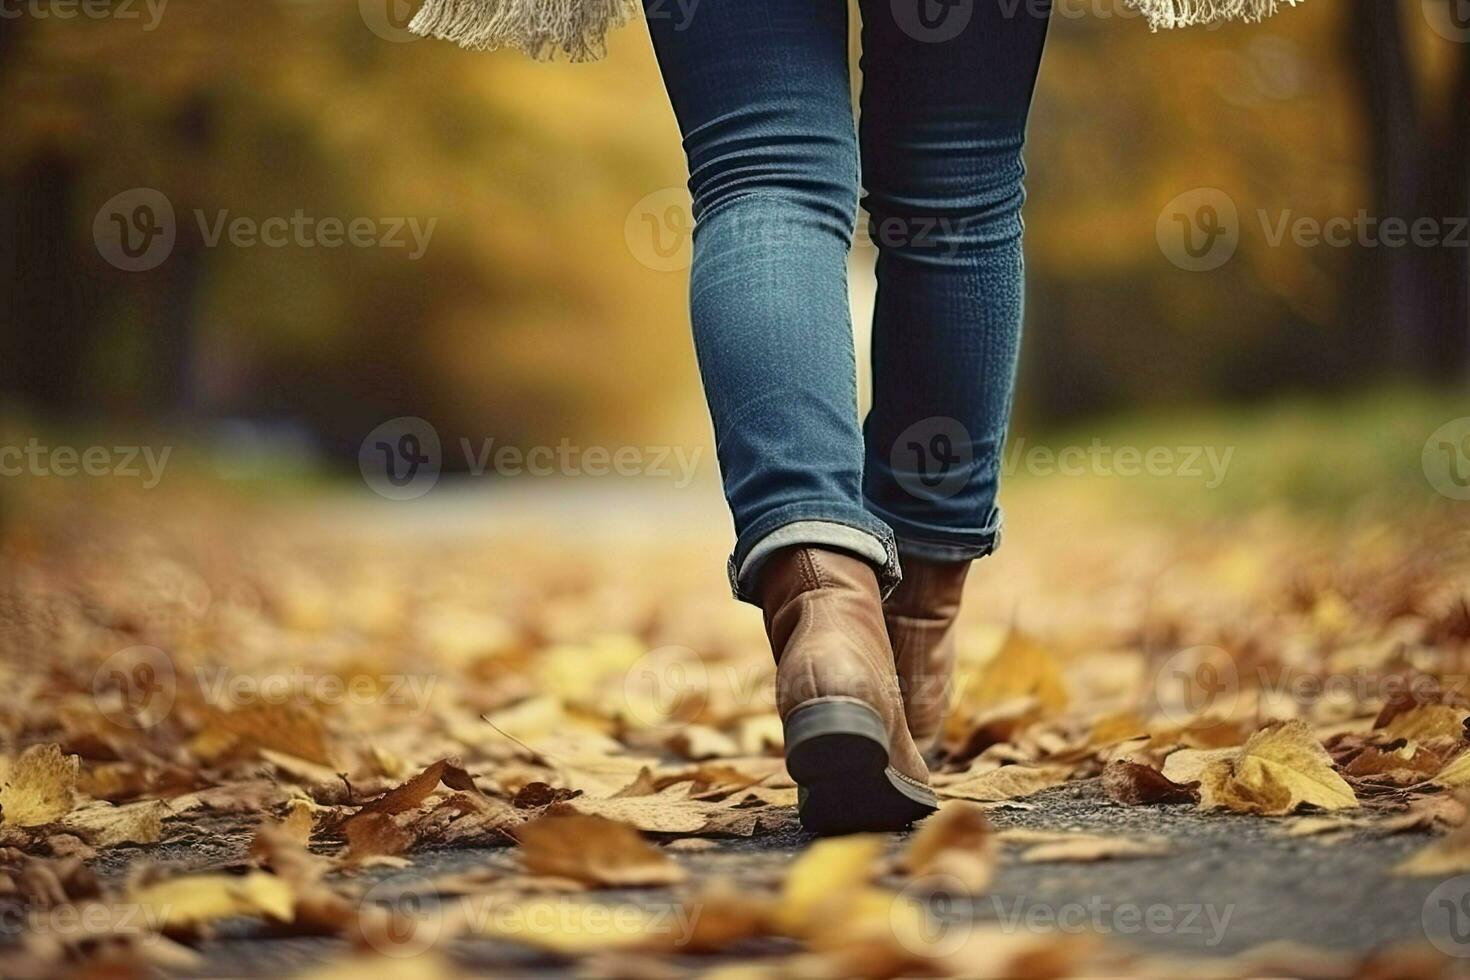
[[578, 28]]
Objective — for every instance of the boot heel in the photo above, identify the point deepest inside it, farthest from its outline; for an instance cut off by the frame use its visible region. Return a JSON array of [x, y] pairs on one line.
[[837, 752]]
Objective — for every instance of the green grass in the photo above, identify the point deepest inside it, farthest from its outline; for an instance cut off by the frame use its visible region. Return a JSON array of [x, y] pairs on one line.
[[1313, 454]]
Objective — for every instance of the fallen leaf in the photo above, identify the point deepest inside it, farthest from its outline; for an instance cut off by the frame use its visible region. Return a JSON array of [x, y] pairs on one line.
[[1449, 855], [1006, 783], [1428, 721], [595, 851], [105, 825], [956, 842], [1089, 847], [1277, 771], [650, 814], [831, 870], [185, 903], [374, 835], [1134, 784], [1187, 765], [40, 787]]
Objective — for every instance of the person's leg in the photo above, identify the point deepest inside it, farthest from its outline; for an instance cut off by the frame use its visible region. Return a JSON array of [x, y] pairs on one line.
[[945, 102], [944, 108], [761, 92]]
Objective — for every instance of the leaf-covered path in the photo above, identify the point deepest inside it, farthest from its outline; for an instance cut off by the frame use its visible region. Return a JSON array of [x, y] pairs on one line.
[[532, 733]]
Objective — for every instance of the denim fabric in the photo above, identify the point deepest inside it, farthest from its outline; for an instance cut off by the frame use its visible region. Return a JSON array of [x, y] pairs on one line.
[[762, 94]]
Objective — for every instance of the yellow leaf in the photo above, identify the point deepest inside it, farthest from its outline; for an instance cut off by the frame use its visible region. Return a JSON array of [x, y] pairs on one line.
[[1186, 765], [180, 904], [1277, 771], [1006, 783], [1020, 668], [831, 870], [40, 787], [574, 928], [1456, 773], [105, 825], [1428, 721]]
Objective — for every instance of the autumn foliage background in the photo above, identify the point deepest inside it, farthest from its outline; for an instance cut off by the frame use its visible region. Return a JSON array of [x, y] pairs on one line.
[[531, 317]]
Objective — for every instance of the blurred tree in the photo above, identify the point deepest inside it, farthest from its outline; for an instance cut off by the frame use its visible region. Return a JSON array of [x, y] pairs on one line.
[[1419, 157]]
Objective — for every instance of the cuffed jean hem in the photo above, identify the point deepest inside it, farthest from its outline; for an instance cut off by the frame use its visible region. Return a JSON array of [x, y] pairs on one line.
[[929, 543], [855, 532]]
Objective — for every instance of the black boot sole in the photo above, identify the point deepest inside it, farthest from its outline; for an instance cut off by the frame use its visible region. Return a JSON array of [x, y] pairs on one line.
[[837, 752]]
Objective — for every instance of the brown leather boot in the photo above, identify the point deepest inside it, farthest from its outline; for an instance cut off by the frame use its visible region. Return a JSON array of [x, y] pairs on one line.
[[847, 744], [920, 615]]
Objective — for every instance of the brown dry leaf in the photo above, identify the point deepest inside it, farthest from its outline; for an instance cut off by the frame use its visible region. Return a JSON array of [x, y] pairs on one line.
[[1428, 721], [185, 903], [40, 787], [375, 835], [1416, 761], [287, 727], [408, 795], [956, 842], [1089, 847], [105, 825], [1006, 783], [1277, 771], [595, 851], [1134, 784]]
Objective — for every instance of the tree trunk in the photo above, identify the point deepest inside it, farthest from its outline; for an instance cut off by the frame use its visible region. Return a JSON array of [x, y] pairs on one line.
[[1390, 285]]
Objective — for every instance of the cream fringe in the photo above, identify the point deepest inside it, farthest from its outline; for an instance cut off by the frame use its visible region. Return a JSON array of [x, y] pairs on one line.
[[579, 28], [1189, 13], [540, 28]]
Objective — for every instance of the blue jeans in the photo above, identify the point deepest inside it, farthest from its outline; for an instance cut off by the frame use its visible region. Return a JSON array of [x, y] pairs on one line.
[[762, 94]]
